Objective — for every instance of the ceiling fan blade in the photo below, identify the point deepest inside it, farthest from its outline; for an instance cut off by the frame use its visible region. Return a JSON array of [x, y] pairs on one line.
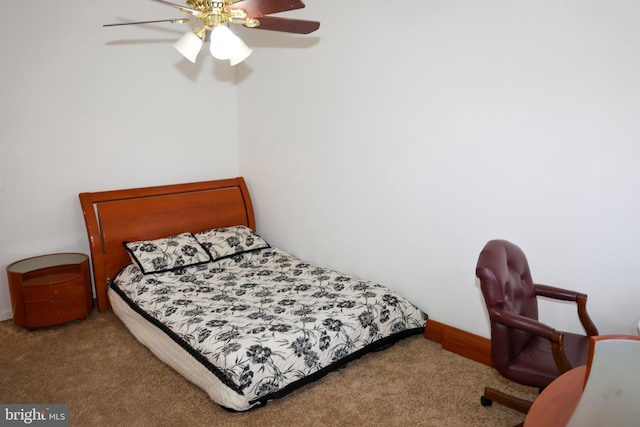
[[259, 8], [173, 21], [286, 25], [180, 7]]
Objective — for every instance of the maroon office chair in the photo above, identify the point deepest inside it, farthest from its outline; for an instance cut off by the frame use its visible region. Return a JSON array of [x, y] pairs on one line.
[[523, 349]]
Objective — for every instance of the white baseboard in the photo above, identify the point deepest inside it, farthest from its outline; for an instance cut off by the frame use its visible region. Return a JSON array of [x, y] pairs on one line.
[[6, 315]]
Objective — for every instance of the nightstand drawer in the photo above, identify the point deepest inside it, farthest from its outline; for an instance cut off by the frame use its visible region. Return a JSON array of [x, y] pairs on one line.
[[46, 293], [53, 313]]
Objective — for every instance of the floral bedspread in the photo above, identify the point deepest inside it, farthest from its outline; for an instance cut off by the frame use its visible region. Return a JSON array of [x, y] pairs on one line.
[[264, 320]]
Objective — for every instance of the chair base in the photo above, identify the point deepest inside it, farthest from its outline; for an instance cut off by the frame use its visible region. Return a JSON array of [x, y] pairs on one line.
[[492, 395]]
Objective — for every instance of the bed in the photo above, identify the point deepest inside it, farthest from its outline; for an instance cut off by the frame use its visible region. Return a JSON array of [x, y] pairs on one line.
[[184, 269]]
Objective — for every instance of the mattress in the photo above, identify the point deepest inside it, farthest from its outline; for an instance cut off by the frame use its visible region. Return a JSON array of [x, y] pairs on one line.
[[256, 325]]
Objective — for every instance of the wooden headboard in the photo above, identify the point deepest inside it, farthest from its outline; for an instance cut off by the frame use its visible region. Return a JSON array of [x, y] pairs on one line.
[[112, 217]]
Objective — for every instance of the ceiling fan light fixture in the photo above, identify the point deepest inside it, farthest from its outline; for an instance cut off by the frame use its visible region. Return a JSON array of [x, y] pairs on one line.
[[189, 46], [214, 17], [226, 45], [222, 42]]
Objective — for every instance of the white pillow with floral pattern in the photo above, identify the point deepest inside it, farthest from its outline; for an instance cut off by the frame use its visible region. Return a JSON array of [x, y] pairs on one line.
[[229, 241], [167, 254]]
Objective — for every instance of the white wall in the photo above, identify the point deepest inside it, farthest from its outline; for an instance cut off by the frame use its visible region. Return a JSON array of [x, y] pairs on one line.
[[403, 137], [87, 108]]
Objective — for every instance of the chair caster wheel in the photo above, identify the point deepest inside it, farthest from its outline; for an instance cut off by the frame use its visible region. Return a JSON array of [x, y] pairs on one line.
[[485, 402]]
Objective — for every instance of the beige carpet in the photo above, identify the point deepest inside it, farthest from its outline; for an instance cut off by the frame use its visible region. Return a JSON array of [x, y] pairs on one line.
[[109, 379]]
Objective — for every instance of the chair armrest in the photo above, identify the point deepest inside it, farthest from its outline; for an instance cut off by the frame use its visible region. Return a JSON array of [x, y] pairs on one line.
[[555, 293], [567, 295], [523, 323], [536, 328]]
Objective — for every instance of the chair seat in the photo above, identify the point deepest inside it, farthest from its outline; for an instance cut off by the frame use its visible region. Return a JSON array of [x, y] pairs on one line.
[[535, 365]]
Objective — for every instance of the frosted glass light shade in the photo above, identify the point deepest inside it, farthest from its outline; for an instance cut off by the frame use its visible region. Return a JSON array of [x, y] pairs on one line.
[[242, 52], [222, 42], [226, 45], [189, 46]]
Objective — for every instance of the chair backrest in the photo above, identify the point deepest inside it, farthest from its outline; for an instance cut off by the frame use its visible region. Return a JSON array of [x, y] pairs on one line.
[[506, 284]]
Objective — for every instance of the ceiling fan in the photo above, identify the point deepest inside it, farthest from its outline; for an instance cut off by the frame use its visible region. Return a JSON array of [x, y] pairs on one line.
[[213, 19]]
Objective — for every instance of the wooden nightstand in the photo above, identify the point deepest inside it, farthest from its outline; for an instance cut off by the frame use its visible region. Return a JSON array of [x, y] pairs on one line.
[[50, 289]]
